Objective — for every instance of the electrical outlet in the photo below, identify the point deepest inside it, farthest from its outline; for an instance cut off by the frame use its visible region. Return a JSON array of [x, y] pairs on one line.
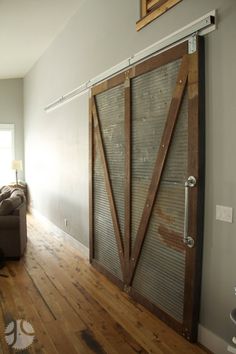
[[224, 213], [66, 222]]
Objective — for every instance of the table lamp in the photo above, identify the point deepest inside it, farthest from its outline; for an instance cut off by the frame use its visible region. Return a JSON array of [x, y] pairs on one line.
[[17, 166]]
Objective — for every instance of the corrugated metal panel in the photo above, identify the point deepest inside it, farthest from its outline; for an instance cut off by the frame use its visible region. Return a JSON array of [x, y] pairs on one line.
[[160, 272], [151, 97], [110, 105], [111, 113], [176, 166]]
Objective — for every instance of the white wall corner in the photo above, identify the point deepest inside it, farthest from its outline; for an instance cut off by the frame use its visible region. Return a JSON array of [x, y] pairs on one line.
[[211, 341], [83, 250]]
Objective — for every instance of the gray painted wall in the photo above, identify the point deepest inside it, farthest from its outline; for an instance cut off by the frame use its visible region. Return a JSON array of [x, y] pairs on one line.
[[11, 112], [100, 35]]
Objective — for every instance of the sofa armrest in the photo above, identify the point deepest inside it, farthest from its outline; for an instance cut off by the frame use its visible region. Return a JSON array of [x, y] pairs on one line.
[[13, 232], [9, 222], [21, 208]]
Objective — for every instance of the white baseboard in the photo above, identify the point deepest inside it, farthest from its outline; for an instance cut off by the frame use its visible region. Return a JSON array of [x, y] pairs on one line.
[[212, 342], [84, 251]]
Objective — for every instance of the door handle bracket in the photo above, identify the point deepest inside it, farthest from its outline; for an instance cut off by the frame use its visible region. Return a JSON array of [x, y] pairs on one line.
[[190, 183], [189, 241]]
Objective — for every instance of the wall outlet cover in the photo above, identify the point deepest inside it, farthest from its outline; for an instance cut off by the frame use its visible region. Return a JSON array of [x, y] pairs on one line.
[[224, 213]]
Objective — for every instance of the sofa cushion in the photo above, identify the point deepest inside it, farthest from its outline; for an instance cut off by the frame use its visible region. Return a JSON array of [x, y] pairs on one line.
[[5, 195], [18, 193], [9, 204], [6, 189]]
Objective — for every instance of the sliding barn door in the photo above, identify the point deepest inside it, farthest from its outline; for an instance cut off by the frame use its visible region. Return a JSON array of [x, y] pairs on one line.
[[146, 188]]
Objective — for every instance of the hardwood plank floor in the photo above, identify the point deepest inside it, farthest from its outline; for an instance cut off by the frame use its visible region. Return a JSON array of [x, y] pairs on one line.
[[75, 309]]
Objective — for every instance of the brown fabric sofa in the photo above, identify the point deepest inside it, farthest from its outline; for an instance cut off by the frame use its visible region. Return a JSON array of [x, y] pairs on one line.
[[13, 230]]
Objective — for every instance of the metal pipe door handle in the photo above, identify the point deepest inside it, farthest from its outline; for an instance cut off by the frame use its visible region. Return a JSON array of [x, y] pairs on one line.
[[190, 183]]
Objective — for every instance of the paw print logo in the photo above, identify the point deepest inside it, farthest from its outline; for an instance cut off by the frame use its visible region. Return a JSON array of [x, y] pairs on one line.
[[19, 334]]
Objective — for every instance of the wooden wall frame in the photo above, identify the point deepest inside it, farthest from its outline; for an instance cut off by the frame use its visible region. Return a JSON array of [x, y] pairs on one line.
[[151, 9]]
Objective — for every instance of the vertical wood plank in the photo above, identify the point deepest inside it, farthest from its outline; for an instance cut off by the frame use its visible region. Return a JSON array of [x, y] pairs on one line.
[[196, 194], [91, 235], [127, 238], [160, 162], [143, 7]]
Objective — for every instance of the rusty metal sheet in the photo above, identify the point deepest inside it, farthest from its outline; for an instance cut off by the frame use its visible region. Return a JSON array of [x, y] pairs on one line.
[[160, 272]]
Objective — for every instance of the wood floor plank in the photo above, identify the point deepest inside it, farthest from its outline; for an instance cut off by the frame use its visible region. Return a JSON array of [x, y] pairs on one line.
[[99, 320], [73, 308], [9, 307], [146, 328], [3, 345], [157, 350], [159, 332], [26, 310], [65, 314]]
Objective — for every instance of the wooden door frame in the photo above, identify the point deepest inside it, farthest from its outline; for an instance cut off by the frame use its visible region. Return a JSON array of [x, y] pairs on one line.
[[195, 86]]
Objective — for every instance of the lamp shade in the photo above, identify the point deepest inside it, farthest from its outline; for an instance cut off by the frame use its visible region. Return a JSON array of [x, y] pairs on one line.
[[17, 165]]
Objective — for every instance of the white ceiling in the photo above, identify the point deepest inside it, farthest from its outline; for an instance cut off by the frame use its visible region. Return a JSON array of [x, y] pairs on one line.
[[27, 28]]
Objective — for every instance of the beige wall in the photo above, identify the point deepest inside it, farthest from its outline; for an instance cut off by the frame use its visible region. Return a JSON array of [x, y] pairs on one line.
[[99, 36], [11, 112]]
